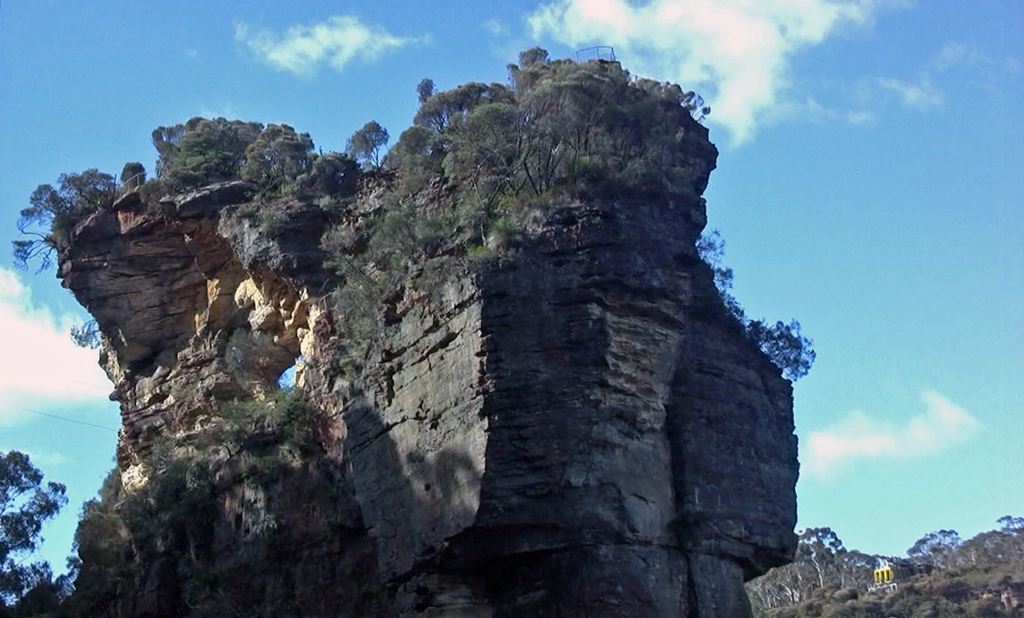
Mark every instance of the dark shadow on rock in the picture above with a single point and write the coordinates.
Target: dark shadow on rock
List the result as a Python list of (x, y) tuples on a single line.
[(412, 501)]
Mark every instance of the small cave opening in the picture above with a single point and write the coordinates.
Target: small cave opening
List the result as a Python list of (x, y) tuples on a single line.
[(260, 364), (287, 378)]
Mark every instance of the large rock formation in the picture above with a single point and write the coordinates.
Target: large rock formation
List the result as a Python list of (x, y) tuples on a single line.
[(579, 430)]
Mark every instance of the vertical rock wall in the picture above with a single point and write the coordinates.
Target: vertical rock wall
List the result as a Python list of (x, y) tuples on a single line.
[(579, 431)]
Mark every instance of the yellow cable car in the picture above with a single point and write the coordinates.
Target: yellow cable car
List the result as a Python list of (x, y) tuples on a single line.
[(892, 572)]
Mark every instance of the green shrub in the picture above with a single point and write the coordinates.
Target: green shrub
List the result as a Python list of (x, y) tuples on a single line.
[(53, 213)]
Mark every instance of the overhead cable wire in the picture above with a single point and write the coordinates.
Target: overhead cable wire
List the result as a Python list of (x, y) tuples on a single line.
[(85, 423)]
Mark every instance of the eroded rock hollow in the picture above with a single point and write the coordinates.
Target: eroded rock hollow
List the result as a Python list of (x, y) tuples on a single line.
[(576, 431)]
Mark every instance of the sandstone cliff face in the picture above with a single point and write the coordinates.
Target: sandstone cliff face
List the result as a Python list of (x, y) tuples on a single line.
[(579, 431)]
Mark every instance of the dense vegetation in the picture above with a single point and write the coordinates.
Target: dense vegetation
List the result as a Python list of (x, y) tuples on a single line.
[(979, 578), (125, 538), (458, 186)]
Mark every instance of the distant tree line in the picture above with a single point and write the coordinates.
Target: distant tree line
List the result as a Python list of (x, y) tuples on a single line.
[(827, 580)]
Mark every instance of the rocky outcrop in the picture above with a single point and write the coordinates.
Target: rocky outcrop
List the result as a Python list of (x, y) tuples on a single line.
[(579, 431)]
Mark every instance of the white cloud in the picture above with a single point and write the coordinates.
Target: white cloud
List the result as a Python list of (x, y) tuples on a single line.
[(860, 436), (495, 27), (223, 111), (812, 111), (921, 95), (39, 364), (336, 42), (40, 458), (979, 69), (735, 52), (953, 54)]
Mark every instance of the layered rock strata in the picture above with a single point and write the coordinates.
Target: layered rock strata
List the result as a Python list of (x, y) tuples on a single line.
[(578, 431)]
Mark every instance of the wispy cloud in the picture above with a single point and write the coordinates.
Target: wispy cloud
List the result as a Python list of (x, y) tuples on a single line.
[(495, 27), (859, 436), (735, 52), (956, 54), (221, 111), (39, 364), (336, 42), (921, 95), (40, 458), (813, 111)]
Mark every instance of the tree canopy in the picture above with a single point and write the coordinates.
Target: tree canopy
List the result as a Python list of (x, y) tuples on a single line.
[(203, 150), (782, 343), (25, 503), (559, 124), (277, 157), (52, 212), (827, 580), (367, 144)]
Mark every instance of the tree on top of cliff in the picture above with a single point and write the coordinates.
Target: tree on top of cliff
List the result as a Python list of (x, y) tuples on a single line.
[(559, 126), (782, 343), (202, 151), (367, 144), (333, 174), (133, 173), (278, 157), (481, 159), (54, 211)]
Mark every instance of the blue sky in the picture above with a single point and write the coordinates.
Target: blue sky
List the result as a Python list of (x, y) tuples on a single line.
[(869, 185)]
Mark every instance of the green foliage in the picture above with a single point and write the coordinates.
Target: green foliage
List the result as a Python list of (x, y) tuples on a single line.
[(821, 561), (44, 597), (334, 174), (441, 108), (53, 212), (25, 503), (825, 579), (283, 425), (102, 541), (711, 249), (481, 159), (935, 548), (417, 157), (122, 534), (562, 126), (533, 56), (86, 335), (173, 519), (367, 144), (333, 177), (166, 141), (177, 510), (277, 158), (782, 343), (425, 89), (202, 151), (133, 174)]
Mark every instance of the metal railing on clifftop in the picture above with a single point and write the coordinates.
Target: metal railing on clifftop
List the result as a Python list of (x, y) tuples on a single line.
[(129, 186)]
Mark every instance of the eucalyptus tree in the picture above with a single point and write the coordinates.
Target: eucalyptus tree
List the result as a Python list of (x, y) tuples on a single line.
[(25, 503)]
